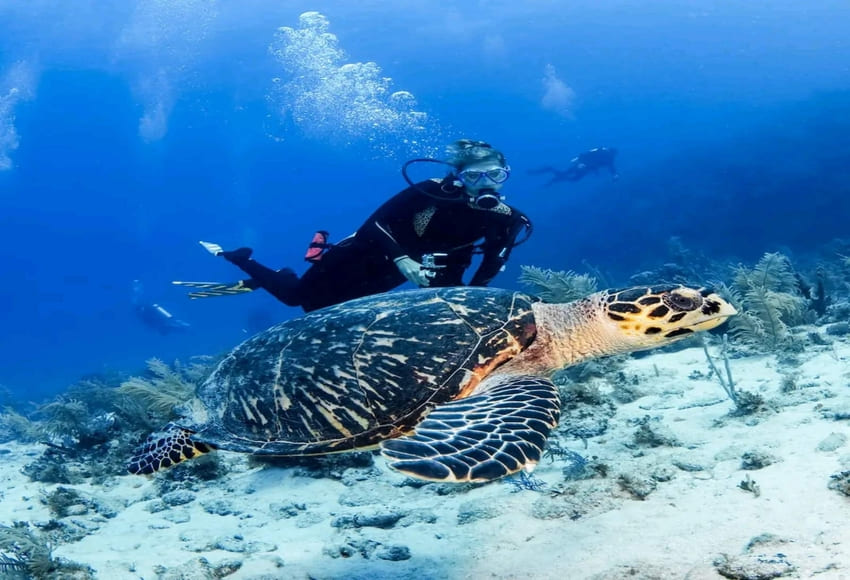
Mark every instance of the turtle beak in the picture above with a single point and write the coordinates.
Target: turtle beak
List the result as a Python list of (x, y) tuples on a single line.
[(716, 311), (713, 312)]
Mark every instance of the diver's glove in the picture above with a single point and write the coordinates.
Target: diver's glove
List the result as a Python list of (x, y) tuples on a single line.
[(235, 257), (413, 271)]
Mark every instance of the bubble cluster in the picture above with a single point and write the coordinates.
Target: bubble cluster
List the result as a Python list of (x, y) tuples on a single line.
[(158, 97), (342, 102), (16, 85), (557, 96), (163, 39)]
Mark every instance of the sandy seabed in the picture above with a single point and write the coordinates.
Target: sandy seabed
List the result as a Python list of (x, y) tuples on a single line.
[(680, 488)]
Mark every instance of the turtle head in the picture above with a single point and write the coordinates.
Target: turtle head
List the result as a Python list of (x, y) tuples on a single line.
[(652, 316)]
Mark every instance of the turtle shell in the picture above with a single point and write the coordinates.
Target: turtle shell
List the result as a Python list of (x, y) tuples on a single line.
[(351, 375)]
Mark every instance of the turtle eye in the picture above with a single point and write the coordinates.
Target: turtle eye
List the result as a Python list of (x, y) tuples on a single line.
[(680, 302)]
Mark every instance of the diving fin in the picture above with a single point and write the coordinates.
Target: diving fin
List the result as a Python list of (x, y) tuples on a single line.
[(213, 289), (212, 248)]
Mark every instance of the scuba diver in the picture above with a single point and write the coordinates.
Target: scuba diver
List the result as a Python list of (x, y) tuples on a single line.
[(153, 315), (427, 234), (592, 160)]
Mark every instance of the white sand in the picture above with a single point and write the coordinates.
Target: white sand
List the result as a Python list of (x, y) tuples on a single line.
[(676, 532)]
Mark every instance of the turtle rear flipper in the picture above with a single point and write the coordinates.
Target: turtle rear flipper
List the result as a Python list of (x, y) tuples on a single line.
[(165, 448), (483, 437)]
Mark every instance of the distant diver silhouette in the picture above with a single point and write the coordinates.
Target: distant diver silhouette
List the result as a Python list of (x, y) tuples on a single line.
[(590, 161), (153, 315)]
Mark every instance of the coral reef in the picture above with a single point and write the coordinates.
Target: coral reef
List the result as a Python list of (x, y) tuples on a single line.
[(768, 300), (557, 286), (91, 429), (64, 419), (28, 554), (150, 400), (13, 425)]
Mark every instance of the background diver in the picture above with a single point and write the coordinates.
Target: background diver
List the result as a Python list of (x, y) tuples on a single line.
[(426, 234), (153, 315), (590, 161)]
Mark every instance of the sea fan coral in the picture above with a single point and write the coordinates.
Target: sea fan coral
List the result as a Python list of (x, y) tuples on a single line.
[(768, 301), (151, 399), (557, 286)]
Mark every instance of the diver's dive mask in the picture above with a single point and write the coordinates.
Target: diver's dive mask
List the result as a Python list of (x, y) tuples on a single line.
[(471, 177), (460, 185), (485, 197)]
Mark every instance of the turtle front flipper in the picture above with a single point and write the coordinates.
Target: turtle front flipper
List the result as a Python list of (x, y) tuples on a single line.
[(483, 437), (165, 448)]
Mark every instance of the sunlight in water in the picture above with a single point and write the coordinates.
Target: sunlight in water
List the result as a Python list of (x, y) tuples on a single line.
[(343, 102)]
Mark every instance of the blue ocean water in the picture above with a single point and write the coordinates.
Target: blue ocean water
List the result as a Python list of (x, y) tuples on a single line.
[(129, 131)]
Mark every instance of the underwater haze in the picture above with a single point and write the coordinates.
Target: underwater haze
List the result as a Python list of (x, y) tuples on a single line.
[(131, 130)]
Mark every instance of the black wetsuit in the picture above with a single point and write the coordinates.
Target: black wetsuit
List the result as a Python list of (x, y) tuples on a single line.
[(587, 162), (409, 224)]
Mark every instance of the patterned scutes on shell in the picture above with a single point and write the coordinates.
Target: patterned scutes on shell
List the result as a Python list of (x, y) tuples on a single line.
[(352, 375)]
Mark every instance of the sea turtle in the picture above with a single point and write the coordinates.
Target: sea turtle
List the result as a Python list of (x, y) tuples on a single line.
[(452, 383)]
